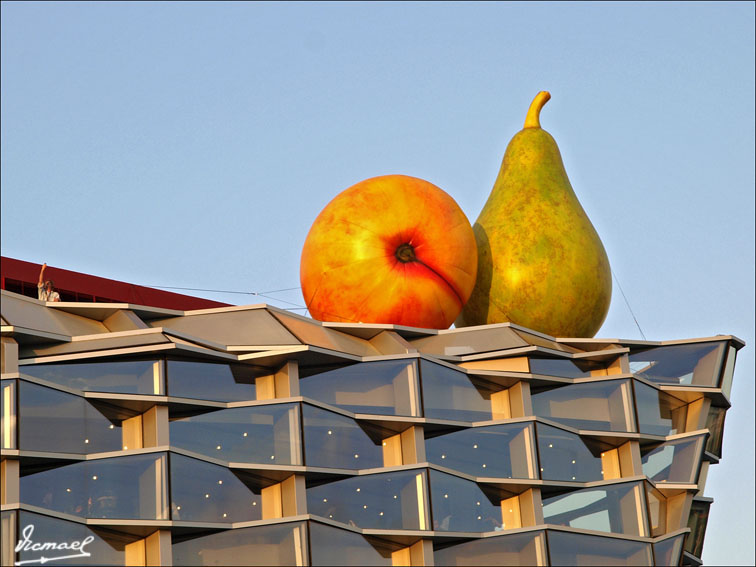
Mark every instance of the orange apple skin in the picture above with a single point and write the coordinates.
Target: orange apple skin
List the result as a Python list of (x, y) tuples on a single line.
[(350, 271)]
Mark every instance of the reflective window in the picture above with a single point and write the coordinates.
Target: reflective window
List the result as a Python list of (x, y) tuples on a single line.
[(658, 412), (336, 441), (130, 487), (564, 367), (55, 421), (259, 434), (123, 376), (516, 549), (567, 456), (385, 387), (394, 500), (278, 544), (502, 451), (715, 424), (104, 546), (697, 364), (8, 416), (729, 369), (578, 549), (334, 546), (613, 509), (673, 461), (204, 492), (8, 538), (699, 517), (211, 381), (602, 406), (668, 552), (451, 394), (461, 505)]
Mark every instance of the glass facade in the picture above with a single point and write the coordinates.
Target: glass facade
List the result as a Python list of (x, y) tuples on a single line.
[(210, 381), (390, 459), (599, 406), (336, 441), (121, 377), (130, 487), (204, 492), (257, 434), (673, 461), (384, 387), (698, 364), (278, 544), (394, 500), (516, 549), (502, 451), (615, 509)]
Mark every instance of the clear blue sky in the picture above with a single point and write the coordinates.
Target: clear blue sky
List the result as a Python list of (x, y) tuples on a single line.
[(193, 144)]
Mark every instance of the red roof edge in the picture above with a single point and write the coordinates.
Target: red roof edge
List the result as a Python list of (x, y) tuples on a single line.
[(70, 283)]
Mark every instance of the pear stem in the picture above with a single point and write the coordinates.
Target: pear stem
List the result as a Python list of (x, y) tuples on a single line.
[(405, 253), (532, 120)]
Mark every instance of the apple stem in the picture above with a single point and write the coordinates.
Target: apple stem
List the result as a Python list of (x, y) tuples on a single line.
[(532, 120), (405, 253)]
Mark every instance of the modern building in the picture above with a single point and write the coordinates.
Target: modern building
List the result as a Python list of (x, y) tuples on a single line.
[(141, 435)]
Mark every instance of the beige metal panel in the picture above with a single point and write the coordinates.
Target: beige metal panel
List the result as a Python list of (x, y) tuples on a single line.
[(388, 342), (531, 507), (9, 483), (158, 549), (515, 364), (313, 333), (392, 451), (401, 557), (630, 459), (287, 380), (131, 433), (8, 355), (294, 496), (421, 552), (538, 339), (500, 405), (107, 342), (23, 311), (241, 327), (124, 320), (271, 502), (698, 412), (135, 553), (155, 426), (519, 400), (468, 341), (8, 539)]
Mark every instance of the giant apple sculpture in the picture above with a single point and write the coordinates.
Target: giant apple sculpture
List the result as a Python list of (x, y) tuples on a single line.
[(391, 249)]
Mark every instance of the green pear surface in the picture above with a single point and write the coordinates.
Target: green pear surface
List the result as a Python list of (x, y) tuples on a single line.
[(541, 263)]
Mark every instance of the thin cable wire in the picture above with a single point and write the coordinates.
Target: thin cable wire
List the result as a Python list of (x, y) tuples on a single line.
[(628, 306), (224, 290)]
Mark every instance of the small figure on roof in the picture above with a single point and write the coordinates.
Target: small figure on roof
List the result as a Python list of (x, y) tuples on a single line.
[(46, 288)]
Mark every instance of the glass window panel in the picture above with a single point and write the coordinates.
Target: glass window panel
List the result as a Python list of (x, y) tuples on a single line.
[(673, 461), (279, 544), (502, 451), (211, 381), (451, 394), (461, 505), (715, 424), (102, 547), (696, 364), (602, 406), (580, 549), (385, 387), (260, 434), (8, 416), (130, 487), (728, 371), (64, 423), (334, 546), (515, 549), (615, 509), (668, 552), (125, 376), (333, 440), (393, 500), (564, 367), (567, 456), (699, 517), (204, 492), (658, 412)]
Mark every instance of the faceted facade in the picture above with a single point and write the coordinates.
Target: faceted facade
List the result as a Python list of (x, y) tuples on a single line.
[(134, 435)]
